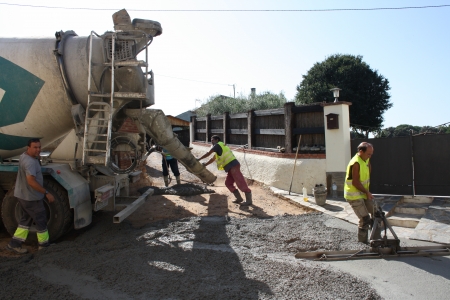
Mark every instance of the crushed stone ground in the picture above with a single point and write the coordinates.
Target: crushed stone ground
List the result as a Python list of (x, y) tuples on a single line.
[(211, 257), (190, 247)]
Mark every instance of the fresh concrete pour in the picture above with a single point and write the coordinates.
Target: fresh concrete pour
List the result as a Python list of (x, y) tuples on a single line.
[(217, 258), (195, 258)]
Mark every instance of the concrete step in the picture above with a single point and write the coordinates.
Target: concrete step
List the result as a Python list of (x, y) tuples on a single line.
[(401, 232), (404, 220), (417, 199), (412, 208)]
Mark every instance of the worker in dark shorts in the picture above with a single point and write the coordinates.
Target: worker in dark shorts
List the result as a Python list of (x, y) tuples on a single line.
[(226, 161), (30, 192), (169, 161)]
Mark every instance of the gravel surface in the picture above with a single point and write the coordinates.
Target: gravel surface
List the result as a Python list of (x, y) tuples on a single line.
[(192, 258)]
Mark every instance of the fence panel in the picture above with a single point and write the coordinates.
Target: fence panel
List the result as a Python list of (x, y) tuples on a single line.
[(268, 128), (311, 126), (391, 165), (200, 129), (431, 164), (269, 131)]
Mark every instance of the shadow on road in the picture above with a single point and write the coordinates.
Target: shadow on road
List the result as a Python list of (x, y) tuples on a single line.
[(197, 262)]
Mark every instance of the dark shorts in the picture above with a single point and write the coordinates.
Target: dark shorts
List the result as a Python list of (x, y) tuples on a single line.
[(173, 164)]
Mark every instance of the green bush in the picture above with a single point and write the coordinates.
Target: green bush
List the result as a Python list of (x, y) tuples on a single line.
[(219, 104)]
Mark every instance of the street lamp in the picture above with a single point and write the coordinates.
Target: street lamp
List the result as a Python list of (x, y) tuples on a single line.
[(335, 93)]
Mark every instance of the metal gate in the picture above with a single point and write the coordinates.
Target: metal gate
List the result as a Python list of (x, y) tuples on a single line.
[(413, 165)]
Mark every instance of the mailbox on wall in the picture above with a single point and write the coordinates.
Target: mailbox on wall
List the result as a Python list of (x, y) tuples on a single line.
[(332, 121)]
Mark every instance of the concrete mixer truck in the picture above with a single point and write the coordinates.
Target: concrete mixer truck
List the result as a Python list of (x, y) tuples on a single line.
[(93, 93)]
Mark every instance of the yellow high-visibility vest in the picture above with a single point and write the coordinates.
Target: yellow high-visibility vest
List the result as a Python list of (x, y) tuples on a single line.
[(350, 191), (226, 157)]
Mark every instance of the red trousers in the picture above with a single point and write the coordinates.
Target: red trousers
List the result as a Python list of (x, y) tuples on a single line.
[(234, 175)]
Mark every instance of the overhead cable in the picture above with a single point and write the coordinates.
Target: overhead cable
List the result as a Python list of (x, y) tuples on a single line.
[(235, 10), (194, 80)]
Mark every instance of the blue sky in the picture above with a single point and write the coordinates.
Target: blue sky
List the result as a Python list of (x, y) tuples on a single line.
[(201, 54)]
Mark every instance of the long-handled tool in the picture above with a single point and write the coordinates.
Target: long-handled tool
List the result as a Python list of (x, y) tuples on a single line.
[(295, 162)]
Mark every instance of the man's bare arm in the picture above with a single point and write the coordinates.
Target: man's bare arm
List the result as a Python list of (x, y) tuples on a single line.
[(210, 161), (206, 154), (31, 180)]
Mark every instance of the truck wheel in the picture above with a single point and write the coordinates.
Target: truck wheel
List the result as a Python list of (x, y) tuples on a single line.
[(59, 215)]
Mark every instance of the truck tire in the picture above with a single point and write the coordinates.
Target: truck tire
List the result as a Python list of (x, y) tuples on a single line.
[(59, 215)]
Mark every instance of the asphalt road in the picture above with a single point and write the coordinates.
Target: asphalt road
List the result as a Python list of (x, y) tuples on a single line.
[(401, 278)]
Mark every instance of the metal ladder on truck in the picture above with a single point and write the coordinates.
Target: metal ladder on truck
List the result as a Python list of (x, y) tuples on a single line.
[(99, 113)]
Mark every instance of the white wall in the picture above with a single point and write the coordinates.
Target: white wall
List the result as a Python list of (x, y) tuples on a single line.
[(277, 172), (337, 140)]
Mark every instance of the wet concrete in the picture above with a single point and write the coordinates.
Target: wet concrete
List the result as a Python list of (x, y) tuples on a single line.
[(193, 258)]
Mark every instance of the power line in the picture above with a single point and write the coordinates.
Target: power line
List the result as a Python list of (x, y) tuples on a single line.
[(194, 80), (235, 10)]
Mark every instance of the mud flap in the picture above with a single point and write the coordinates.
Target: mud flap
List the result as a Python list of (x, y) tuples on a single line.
[(82, 215)]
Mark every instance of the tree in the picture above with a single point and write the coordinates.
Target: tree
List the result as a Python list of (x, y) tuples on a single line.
[(400, 130), (407, 130), (218, 104), (363, 87)]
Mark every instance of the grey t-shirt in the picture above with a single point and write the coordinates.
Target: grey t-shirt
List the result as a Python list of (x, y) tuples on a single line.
[(216, 148), (28, 166)]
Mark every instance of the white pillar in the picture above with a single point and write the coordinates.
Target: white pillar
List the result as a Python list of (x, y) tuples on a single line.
[(191, 133), (337, 142)]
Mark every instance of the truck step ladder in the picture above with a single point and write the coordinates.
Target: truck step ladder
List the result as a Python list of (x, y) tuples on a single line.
[(98, 123), (99, 113)]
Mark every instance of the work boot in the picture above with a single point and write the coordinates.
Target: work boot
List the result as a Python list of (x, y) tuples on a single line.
[(166, 181), (19, 249), (248, 199), (40, 247), (238, 197), (363, 235), (178, 179), (367, 222)]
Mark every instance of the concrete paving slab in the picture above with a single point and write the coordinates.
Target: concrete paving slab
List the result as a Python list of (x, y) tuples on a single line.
[(402, 278), (435, 224)]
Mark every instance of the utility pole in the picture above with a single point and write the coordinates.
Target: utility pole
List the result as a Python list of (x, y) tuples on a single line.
[(234, 90)]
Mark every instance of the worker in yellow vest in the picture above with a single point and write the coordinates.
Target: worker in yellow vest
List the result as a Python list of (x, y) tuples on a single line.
[(356, 189), (226, 161)]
